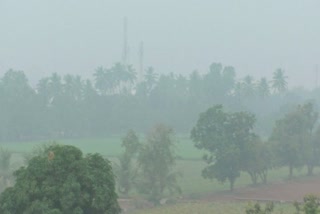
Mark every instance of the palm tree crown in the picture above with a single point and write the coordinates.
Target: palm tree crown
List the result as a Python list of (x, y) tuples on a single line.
[(279, 82)]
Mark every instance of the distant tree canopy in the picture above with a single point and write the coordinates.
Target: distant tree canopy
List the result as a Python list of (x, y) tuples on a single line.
[(62, 181), (115, 100)]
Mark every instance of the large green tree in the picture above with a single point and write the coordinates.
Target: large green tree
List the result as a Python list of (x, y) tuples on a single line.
[(224, 136), (62, 181), (263, 88)]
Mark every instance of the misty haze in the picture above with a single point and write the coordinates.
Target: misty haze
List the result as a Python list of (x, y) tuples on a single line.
[(151, 107)]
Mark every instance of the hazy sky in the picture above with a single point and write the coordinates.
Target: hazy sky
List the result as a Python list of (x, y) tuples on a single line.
[(76, 36)]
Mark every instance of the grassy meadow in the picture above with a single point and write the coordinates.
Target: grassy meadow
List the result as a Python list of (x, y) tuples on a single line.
[(110, 146)]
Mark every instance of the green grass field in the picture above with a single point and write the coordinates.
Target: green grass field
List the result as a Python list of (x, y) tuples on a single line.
[(110, 147)]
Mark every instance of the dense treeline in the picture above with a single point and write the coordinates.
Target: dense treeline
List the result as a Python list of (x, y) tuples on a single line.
[(115, 101)]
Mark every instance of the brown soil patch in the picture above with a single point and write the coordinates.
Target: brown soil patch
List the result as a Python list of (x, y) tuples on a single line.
[(283, 192), (286, 191)]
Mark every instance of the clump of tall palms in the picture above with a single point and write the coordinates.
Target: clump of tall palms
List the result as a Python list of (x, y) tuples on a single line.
[(119, 78), (263, 88)]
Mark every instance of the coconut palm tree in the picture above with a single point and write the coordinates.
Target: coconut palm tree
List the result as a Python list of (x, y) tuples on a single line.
[(279, 81), (263, 88), (123, 77), (151, 77), (101, 80), (248, 86)]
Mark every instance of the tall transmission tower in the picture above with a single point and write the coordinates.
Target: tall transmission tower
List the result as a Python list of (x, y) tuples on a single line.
[(125, 42), (141, 61)]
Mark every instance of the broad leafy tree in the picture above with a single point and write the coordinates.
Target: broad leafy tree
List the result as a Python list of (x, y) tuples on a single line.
[(224, 136), (62, 181)]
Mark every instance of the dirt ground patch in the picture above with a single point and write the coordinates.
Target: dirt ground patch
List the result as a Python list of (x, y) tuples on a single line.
[(286, 191), (282, 192)]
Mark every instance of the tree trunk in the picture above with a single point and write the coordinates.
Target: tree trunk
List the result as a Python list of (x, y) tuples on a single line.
[(263, 176), (290, 171), (231, 180), (253, 177), (310, 170)]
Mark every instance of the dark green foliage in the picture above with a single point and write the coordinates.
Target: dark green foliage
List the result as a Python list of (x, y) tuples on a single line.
[(257, 209), (62, 181), (279, 81), (226, 137), (310, 205), (156, 160)]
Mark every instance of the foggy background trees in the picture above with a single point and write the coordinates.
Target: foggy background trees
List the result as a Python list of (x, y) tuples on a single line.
[(114, 100)]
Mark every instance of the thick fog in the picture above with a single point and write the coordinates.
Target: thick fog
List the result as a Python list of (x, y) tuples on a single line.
[(76, 36)]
